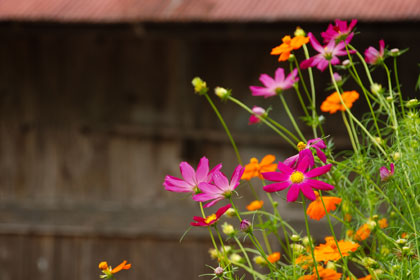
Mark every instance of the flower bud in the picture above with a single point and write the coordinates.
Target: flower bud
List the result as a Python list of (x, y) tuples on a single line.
[(226, 249), (379, 140), (103, 266), (228, 229), (368, 262), (337, 77), (412, 103), (376, 88), (346, 63), (371, 224), (291, 57), (213, 253), (259, 260), (394, 52), (200, 86), (396, 156), (378, 271), (385, 250), (295, 238), (299, 32), (407, 250), (306, 241), (331, 265), (297, 248), (222, 92), (389, 98), (230, 213), (245, 226), (218, 271), (235, 258), (401, 241)]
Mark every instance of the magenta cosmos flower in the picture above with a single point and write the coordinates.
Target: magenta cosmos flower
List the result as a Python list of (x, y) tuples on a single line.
[(257, 111), (220, 189), (211, 219), (305, 151), (275, 86), (297, 179), (385, 173), (326, 54), (373, 56), (339, 32), (191, 177)]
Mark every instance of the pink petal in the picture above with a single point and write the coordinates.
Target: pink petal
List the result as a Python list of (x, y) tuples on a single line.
[(253, 120), (211, 203), (275, 176), (293, 193), (322, 65), (392, 168), (220, 180), (222, 210), (266, 80), (306, 153), (171, 183), (318, 171), (307, 191), (279, 75), (352, 24), (321, 155), (384, 173), (188, 173), (276, 187), (201, 197), (209, 188), (290, 161), (315, 44), (261, 91), (284, 168), (202, 170), (303, 163), (215, 169), (319, 185), (236, 176), (307, 63), (381, 47), (317, 142)]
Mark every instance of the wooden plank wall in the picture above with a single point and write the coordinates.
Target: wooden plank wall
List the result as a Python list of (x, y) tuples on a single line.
[(91, 120)]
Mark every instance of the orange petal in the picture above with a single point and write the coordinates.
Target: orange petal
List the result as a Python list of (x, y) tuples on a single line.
[(121, 266)]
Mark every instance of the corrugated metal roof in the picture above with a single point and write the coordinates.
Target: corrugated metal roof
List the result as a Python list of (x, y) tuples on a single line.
[(207, 10)]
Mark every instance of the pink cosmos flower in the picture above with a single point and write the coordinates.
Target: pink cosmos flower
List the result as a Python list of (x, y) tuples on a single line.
[(305, 151), (373, 56), (385, 173), (191, 177), (339, 32), (211, 219), (326, 54), (258, 111), (220, 189), (276, 85), (297, 179)]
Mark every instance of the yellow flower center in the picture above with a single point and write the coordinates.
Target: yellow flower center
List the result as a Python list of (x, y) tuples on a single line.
[(297, 177), (210, 218), (301, 146)]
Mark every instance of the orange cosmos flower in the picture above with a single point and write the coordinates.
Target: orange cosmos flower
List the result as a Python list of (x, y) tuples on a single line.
[(329, 251), (362, 233), (274, 257), (254, 169), (255, 205), (289, 45), (333, 103), (383, 223), (324, 274), (404, 235), (108, 271), (316, 209)]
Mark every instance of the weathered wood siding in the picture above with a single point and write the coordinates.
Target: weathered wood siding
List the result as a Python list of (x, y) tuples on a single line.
[(93, 117)]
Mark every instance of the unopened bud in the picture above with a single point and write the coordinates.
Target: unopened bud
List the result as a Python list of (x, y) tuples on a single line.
[(230, 213), (228, 229), (299, 32), (245, 226), (385, 250), (218, 271), (346, 63), (295, 238), (331, 265), (389, 98), (379, 140), (412, 103), (297, 248), (200, 86), (213, 253), (306, 241), (291, 57), (394, 52), (222, 92), (103, 266), (396, 156), (235, 258), (337, 77), (407, 250), (259, 260), (401, 241), (376, 88), (368, 262), (371, 224), (378, 271), (226, 249)]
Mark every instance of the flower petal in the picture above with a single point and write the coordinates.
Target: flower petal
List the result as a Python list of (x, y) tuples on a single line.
[(293, 193), (318, 171), (202, 170), (220, 180), (266, 80), (188, 173), (236, 176), (276, 187), (279, 75), (275, 176), (319, 185), (307, 191)]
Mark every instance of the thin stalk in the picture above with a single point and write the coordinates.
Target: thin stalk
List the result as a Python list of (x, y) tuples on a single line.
[(311, 80), (302, 80), (292, 119), (253, 272), (398, 86), (349, 131), (308, 233), (246, 256), (362, 60), (225, 127), (263, 120)]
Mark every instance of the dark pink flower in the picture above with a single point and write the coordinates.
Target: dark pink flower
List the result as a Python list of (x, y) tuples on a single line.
[(297, 179), (258, 111), (373, 56), (339, 32), (385, 173), (326, 54), (191, 177), (275, 86), (305, 151), (211, 219), (220, 189)]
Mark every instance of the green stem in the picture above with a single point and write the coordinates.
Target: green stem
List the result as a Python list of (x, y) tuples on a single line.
[(292, 119), (225, 127), (311, 80), (246, 256), (398, 86), (362, 60), (308, 233)]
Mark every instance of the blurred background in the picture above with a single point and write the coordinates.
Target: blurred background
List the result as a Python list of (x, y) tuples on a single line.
[(96, 107)]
